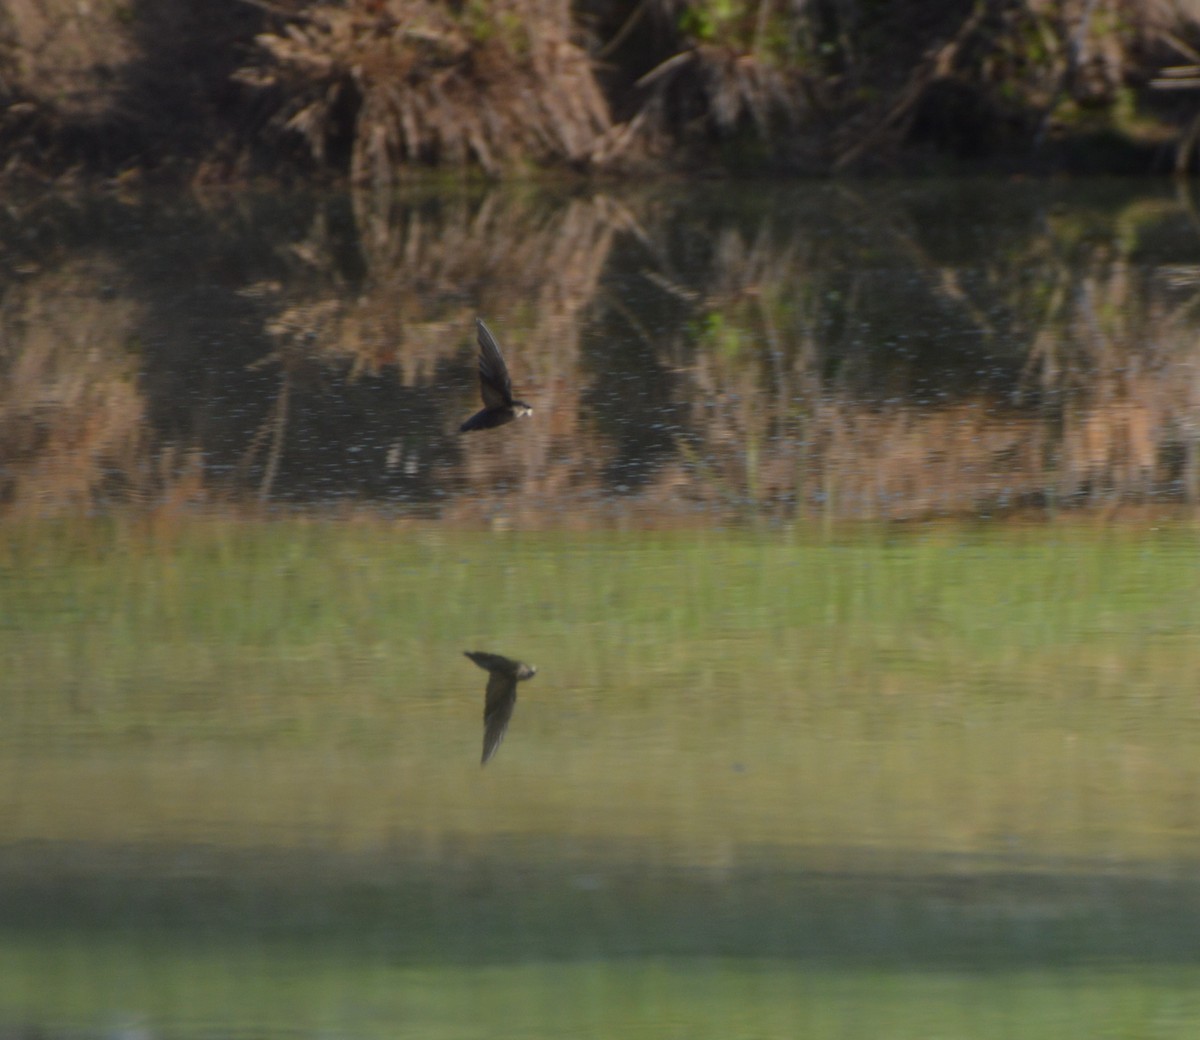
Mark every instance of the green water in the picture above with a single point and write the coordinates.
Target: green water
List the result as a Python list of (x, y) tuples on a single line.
[(922, 782)]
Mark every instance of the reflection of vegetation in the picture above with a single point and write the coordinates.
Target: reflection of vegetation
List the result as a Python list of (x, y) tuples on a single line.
[(814, 353), (71, 412), (534, 267), (1020, 390)]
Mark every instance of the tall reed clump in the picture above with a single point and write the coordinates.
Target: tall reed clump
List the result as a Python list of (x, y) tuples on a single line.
[(389, 84)]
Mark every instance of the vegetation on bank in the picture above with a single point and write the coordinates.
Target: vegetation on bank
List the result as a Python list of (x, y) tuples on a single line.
[(374, 89)]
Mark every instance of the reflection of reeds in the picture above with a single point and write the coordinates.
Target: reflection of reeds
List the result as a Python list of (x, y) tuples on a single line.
[(842, 460), (540, 266), (1120, 361), (1106, 415), (420, 262), (70, 407), (767, 362)]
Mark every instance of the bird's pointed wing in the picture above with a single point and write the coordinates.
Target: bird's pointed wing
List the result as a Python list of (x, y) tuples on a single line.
[(497, 710), (493, 373), (491, 662)]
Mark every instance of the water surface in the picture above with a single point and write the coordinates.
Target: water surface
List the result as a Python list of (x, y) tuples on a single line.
[(812, 350), (853, 538)]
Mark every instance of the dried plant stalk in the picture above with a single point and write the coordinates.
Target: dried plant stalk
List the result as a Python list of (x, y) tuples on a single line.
[(412, 82)]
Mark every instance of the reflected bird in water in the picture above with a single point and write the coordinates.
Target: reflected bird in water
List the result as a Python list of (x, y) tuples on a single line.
[(501, 697), (500, 406)]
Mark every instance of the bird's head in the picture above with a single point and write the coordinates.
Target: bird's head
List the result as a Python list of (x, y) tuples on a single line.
[(527, 671), (521, 410)]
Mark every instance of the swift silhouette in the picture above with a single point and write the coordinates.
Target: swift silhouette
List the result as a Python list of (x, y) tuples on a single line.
[(499, 405), (501, 695)]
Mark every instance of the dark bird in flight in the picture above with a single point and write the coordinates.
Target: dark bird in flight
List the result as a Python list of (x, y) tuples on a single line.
[(499, 405), (501, 697)]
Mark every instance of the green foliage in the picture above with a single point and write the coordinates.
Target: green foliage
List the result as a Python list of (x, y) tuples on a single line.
[(709, 21), (479, 20), (716, 333), (271, 990)]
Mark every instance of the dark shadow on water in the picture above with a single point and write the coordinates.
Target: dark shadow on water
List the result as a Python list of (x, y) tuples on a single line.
[(495, 906)]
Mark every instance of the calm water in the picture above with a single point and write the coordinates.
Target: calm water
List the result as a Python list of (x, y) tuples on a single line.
[(853, 538), (730, 352)]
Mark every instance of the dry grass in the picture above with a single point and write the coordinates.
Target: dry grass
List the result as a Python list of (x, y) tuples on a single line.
[(709, 91), (378, 88), (61, 65), (66, 55), (406, 83)]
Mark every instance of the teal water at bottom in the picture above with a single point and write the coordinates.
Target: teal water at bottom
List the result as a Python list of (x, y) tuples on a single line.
[(175, 991)]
